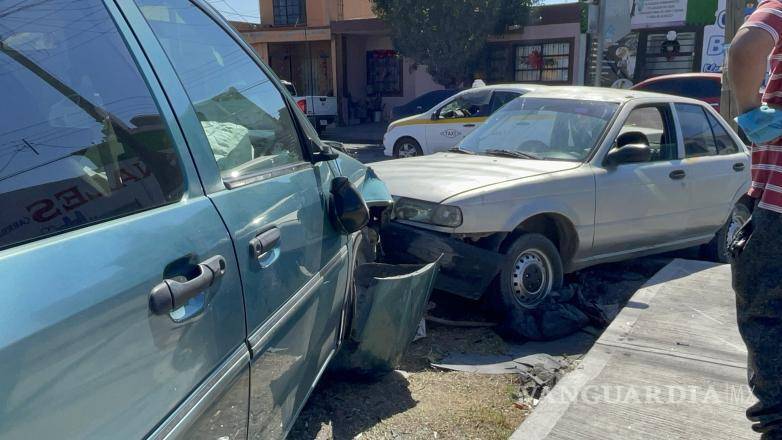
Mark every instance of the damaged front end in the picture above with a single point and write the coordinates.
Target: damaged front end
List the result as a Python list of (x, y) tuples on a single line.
[(467, 268), (387, 300)]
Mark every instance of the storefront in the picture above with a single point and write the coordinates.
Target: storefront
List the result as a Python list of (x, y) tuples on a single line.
[(551, 49), (372, 76), (667, 37)]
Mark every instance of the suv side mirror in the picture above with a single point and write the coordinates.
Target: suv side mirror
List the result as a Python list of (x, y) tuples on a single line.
[(321, 151), (630, 153), (348, 210)]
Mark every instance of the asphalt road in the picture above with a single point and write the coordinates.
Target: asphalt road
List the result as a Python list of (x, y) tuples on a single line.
[(366, 153)]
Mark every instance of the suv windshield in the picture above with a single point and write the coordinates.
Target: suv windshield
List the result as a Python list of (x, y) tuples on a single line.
[(551, 129)]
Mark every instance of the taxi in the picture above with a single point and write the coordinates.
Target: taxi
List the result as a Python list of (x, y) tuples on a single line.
[(446, 124)]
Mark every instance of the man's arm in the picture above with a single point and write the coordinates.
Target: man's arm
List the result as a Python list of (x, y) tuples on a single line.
[(747, 61)]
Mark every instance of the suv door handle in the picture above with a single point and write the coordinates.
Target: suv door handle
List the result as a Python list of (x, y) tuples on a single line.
[(172, 294), (677, 174), (738, 167), (264, 245)]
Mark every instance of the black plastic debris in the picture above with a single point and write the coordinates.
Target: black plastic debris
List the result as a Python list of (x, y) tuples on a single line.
[(563, 313), (390, 303)]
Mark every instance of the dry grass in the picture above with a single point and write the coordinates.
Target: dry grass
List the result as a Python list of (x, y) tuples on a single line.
[(418, 402)]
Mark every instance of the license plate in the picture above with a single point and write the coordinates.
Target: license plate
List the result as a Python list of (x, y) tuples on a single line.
[(323, 122)]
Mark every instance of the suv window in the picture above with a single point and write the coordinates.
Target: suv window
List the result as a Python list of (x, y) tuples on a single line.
[(81, 138), (501, 98), (725, 143), (696, 130), (473, 104), (652, 126), (243, 114)]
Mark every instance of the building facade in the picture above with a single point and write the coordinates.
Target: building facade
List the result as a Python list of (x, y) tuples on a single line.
[(339, 48)]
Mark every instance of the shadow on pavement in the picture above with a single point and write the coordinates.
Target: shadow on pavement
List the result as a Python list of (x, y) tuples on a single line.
[(338, 407)]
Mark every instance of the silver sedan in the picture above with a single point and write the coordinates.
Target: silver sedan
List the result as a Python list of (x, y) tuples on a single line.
[(568, 177)]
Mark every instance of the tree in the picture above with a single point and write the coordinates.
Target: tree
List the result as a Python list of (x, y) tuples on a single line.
[(449, 36)]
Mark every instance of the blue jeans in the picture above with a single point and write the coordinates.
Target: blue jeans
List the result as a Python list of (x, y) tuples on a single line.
[(757, 281)]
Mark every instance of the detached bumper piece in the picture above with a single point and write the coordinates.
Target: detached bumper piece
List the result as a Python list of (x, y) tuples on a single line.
[(390, 302), (466, 270)]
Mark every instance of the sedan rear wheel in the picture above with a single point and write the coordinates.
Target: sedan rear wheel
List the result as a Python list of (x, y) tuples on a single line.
[(717, 249)]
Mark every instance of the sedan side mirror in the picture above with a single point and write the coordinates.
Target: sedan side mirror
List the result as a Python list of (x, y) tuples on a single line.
[(630, 153), (348, 210)]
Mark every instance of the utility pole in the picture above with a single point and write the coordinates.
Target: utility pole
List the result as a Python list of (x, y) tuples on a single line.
[(734, 18), (600, 50)]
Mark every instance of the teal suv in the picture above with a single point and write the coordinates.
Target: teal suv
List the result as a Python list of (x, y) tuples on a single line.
[(177, 248)]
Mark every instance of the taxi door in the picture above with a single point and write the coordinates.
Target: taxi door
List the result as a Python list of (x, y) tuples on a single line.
[(456, 119)]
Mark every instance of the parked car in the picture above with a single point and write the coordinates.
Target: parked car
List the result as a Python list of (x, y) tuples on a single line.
[(565, 178), (447, 123), (706, 87), (421, 103), (180, 254), (320, 110)]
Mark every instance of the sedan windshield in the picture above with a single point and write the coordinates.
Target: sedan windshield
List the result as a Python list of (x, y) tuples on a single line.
[(541, 128)]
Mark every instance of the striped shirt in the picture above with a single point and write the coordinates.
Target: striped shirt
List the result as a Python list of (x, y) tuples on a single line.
[(767, 159)]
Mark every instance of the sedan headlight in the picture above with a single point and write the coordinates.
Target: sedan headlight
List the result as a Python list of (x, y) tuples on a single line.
[(428, 212)]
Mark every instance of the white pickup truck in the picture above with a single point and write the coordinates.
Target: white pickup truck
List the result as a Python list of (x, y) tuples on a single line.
[(320, 110)]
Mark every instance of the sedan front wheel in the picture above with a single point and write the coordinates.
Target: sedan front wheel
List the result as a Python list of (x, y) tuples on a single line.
[(531, 271), (407, 147)]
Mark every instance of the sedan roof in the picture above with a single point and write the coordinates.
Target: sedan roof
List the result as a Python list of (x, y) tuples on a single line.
[(602, 94)]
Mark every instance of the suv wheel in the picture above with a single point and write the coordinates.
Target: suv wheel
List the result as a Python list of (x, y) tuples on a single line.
[(717, 249), (407, 147), (531, 271)]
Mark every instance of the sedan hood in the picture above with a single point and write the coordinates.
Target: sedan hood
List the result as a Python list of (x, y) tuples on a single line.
[(439, 177)]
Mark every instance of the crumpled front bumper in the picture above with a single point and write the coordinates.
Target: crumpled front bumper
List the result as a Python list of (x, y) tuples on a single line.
[(465, 270), (390, 302)]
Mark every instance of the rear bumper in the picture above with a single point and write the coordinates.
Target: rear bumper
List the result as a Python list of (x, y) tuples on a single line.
[(465, 270), (315, 119)]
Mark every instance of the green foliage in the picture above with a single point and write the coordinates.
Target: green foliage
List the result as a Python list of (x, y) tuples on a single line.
[(449, 36)]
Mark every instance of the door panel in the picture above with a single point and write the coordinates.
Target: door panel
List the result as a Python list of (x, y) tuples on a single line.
[(710, 157), (106, 205), (273, 202), (643, 205), (639, 205), (90, 360), (457, 118)]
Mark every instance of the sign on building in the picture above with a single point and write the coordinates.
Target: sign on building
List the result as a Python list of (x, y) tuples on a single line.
[(713, 55), (653, 13)]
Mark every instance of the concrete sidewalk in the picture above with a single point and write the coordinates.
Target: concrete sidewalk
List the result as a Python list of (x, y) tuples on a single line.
[(670, 366)]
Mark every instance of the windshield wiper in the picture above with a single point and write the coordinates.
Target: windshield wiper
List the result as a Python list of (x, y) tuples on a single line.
[(511, 153), (460, 150)]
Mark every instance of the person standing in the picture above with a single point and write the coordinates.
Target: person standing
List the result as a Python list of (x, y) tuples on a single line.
[(757, 268)]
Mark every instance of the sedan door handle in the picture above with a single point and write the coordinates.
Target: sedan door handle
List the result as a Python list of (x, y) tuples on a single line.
[(468, 125), (738, 167), (172, 294), (677, 174)]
